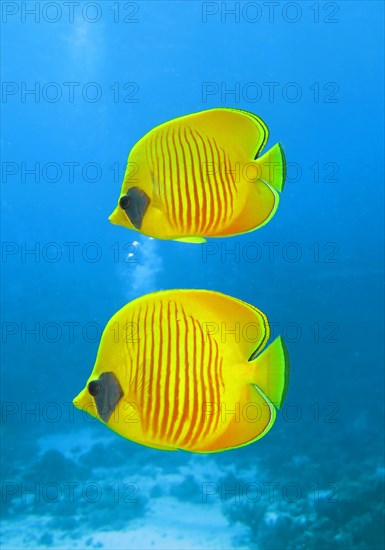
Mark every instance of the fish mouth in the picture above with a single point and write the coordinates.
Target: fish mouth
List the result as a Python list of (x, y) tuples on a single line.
[(84, 402), (118, 217)]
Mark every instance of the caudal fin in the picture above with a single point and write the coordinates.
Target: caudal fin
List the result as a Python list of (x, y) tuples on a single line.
[(272, 167), (271, 372)]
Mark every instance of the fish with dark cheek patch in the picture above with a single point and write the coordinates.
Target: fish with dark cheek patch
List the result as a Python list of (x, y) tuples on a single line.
[(173, 377), (200, 176)]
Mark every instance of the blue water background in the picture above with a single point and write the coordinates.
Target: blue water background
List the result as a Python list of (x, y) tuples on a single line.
[(329, 305)]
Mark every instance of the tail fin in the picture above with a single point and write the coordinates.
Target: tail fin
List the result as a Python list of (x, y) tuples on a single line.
[(271, 372), (272, 166)]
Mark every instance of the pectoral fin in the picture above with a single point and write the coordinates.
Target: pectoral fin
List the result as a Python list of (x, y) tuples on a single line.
[(193, 240)]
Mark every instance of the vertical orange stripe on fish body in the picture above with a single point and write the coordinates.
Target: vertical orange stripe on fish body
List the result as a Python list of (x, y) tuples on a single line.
[(183, 365), (167, 183), (174, 178), (203, 200), (227, 193), (207, 381), (209, 184), (179, 188), (171, 186), (160, 178), (177, 354), (192, 182), (153, 412), (152, 344), (202, 392), (214, 182), (191, 390), (185, 359), (162, 398)]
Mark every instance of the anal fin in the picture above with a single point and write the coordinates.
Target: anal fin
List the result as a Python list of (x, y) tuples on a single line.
[(248, 419)]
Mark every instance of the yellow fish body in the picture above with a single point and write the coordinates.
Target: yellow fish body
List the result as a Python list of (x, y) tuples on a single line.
[(187, 369), (201, 176)]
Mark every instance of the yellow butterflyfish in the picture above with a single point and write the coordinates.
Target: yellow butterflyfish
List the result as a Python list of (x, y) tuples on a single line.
[(187, 369), (201, 175)]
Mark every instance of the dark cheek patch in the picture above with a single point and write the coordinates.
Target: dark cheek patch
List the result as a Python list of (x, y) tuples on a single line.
[(108, 394), (135, 204)]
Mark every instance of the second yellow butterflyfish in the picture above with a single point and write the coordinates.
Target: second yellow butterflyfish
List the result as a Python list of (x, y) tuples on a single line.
[(187, 369), (201, 175)]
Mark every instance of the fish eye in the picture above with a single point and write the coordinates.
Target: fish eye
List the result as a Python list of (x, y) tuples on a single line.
[(124, 202), (93, 388)]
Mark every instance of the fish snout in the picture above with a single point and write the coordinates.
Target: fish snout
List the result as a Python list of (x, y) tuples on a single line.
[(118, 217), (84, 402)]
